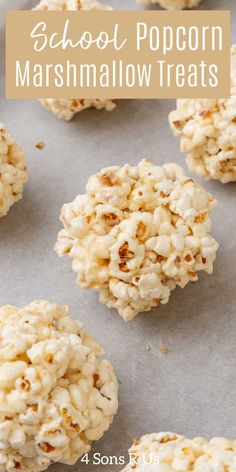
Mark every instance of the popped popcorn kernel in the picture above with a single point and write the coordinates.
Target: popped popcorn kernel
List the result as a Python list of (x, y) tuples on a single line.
[(207, 132), (51, 408), (66, 108), (168, 452), (137, 234), (174, 4), (13, 173)]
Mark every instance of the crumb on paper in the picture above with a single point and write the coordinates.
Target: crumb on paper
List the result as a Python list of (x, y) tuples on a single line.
[(164, 349), (40, 145)]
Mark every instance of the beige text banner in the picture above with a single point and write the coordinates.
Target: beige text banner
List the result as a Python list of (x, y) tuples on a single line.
[(117, 54)]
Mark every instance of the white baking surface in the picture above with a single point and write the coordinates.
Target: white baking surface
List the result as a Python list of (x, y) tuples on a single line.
[(191, 389)]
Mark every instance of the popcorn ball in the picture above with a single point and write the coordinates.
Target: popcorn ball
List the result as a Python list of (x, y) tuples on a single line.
[(170, 452), (56, 397), (13, 174), (174, 4), (66, 108), (138, 233), (207, 131)]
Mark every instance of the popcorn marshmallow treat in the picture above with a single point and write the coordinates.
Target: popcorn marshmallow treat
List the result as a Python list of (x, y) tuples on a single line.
[(13, 174), (168, 452), (207, 132), (67, 108), (174, 4), (56, 397), (138, 233)]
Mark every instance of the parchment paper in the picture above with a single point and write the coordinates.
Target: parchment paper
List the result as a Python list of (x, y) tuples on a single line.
[(190, 390)]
